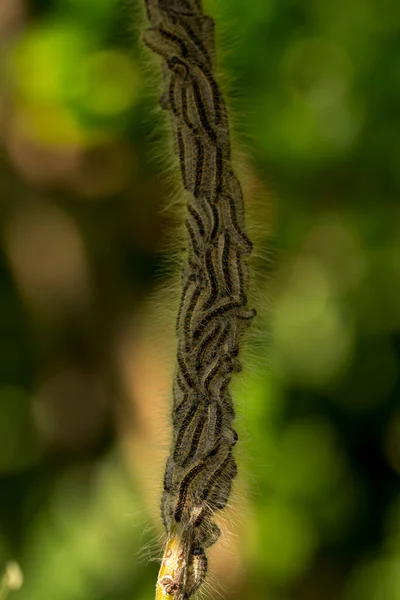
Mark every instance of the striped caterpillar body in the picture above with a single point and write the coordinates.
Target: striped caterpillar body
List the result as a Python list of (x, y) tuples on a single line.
[(213, 312)]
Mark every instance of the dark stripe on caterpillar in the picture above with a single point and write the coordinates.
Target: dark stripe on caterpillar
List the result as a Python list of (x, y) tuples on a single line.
[(185, 371), (214, 429), (216, 96), (168, 475), (193, 240), (185, 289), (179, 409), (225, 255), (247, 315), (219, 495), (214, 478), (182, 157), (215, 226), (217, 348), (195, 441), (190, 310), (185, 113), (182, 430), (219, 173), (184, 489), (219, 311), (212, 280), (196, 40), (171, 97), (227, 403), (220, 368), (240, 280), (154, 41), (197, 218), (235, 437), (202, 113), (241, 237), (207, 341), (193, 37), (171, 37), (199, 168)]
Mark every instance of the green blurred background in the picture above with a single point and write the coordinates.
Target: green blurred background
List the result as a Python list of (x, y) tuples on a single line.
[(86, 341)]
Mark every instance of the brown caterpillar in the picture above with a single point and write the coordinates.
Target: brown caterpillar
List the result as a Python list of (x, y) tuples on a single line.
[(213, 312)]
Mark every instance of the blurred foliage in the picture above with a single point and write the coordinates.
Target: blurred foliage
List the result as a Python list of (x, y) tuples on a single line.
[(314, 89)]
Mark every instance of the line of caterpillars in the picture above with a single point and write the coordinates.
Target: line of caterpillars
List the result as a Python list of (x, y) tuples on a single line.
[(213, 311)]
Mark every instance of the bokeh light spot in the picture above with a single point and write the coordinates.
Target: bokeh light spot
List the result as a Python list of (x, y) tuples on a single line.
[(288, 542), (314, 338), (45, 60), (107, 83), (47, 255)]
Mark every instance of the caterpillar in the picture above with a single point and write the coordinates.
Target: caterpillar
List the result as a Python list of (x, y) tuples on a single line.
[(213, 312)]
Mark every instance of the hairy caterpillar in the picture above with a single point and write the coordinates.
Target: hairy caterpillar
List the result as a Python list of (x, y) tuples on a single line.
[(213, 312)]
